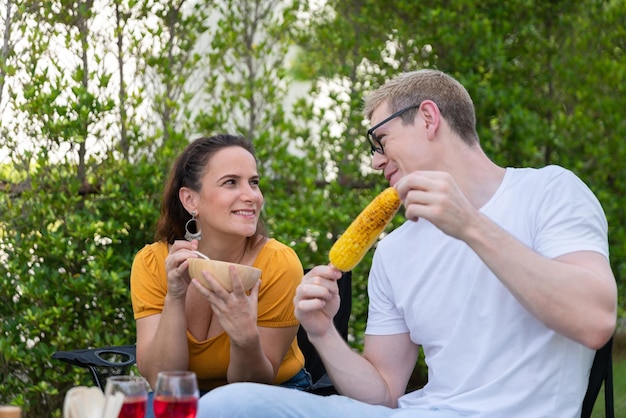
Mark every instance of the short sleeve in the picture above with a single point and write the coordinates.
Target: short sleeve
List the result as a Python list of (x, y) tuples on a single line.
[(148, 280), (383, 316), (569, 218)]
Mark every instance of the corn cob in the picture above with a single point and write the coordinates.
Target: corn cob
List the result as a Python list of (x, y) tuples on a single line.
[(350, 248)]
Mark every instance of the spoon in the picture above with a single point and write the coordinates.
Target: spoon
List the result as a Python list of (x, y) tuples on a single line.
[(202, 255)]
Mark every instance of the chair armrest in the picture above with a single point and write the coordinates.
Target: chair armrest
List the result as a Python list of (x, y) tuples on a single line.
[(102, 361)]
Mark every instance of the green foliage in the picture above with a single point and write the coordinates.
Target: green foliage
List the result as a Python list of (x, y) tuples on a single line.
[(64, 275)]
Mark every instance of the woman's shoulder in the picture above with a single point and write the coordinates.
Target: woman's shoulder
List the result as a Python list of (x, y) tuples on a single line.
[(275, 252), (148, 264), (272, 244), (152, 255), (156, 249), (275, 248)]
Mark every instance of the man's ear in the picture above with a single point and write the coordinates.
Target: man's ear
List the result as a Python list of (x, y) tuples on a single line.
[(430, 112), (431, 115), (187, 198)]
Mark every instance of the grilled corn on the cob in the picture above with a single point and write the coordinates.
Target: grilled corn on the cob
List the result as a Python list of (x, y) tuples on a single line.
[(350, 248)]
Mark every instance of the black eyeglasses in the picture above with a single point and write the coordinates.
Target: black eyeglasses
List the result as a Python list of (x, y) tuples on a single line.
[(374, 141)]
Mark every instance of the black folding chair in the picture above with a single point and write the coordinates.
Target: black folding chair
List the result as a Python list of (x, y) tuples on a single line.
[(601, 372), (104, 362)]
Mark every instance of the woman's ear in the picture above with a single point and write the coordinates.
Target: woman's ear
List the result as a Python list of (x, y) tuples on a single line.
[(187, 198)]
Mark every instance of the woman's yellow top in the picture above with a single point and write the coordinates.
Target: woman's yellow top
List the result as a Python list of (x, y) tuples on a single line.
[(281, 274)]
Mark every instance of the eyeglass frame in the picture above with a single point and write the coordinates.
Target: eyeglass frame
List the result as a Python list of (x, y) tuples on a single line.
[(375, 143)]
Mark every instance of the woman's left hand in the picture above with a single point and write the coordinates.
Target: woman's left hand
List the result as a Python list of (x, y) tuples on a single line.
[(236, 311)]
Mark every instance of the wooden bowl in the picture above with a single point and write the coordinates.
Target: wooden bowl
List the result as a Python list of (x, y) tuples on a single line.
[(219, 270)]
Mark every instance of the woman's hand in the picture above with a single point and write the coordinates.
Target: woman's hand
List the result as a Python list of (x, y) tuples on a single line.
[(176, 267), (236, 311)]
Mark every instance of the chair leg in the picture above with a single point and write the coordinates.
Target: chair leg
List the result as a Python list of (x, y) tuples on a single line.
[(609, 405), (96, 377)]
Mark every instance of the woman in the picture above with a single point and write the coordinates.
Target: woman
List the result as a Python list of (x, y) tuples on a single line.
[(212, 199)]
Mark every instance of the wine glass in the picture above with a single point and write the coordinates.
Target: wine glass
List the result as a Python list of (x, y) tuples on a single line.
[(129, 391), (176, 395)]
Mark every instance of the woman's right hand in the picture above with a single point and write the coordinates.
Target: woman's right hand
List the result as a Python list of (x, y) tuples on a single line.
[(177, 267)]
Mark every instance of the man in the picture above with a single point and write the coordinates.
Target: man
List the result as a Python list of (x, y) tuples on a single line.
[(500, 274)]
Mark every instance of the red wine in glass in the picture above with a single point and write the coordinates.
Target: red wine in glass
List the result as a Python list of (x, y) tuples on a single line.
[(133, 407), (134, 392), (175, 407), (176, 394)]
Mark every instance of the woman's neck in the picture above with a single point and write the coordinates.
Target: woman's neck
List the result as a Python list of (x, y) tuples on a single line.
[(235, 251)]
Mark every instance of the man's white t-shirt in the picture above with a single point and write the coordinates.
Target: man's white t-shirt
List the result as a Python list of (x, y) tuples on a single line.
[(486, 355)]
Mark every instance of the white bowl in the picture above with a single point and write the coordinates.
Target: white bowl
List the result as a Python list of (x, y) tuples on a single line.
[(220, 270)]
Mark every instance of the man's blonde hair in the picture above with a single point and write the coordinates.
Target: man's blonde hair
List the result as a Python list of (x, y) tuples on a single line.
[(412, 88)]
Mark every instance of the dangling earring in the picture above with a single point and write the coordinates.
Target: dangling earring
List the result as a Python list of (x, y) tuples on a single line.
[(190, 236)]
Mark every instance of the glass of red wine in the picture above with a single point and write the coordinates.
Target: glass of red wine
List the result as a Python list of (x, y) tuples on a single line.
[(176, 395), (129, 391)]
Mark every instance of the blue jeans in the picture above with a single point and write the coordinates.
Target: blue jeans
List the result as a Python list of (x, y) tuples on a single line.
[(256, 400), (301, 381)]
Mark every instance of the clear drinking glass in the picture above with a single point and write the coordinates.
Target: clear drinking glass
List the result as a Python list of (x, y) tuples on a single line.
[(176, 395), (134, 390)]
